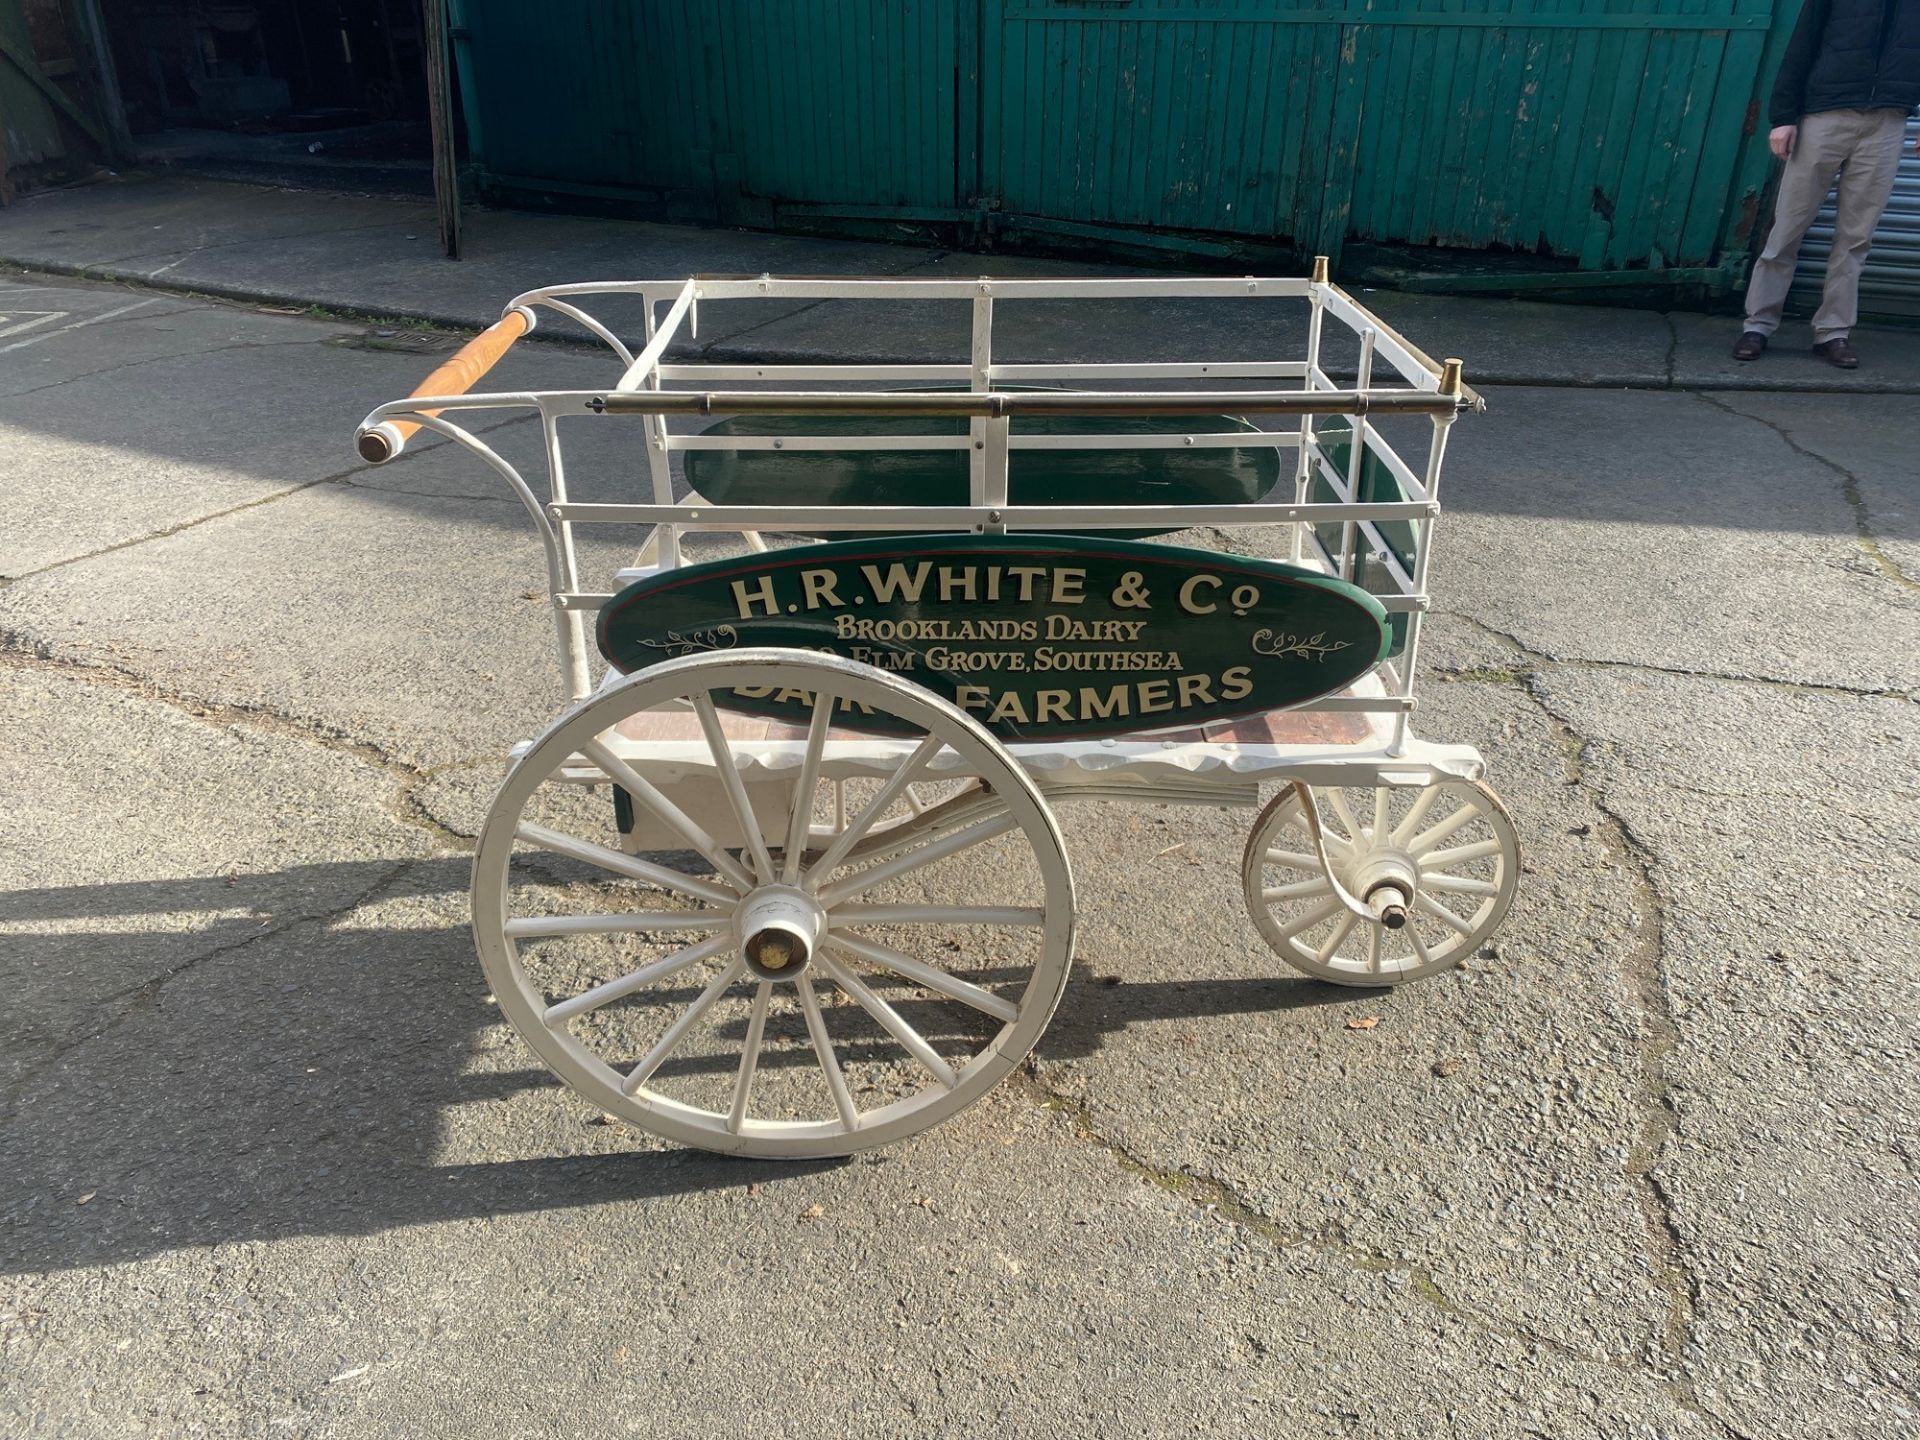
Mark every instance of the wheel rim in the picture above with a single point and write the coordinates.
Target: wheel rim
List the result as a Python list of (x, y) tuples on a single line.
[(1450, 845), (909, 967)]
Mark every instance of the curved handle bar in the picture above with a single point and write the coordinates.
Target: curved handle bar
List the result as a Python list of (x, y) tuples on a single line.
[(459, 374)]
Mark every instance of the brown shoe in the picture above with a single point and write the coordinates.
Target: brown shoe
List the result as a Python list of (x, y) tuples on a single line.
[(1750, 346), (1838, 353)]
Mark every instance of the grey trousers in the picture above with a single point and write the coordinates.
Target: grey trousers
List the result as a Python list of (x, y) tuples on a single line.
[(1862, 148)]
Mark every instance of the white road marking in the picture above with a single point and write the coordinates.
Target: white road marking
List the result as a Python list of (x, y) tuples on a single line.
[(10, 326), (77, 325)]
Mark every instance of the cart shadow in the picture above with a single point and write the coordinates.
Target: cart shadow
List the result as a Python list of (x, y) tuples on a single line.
[(232, 1081)]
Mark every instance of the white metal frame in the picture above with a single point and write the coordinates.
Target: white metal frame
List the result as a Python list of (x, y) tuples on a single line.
[(650, 388)]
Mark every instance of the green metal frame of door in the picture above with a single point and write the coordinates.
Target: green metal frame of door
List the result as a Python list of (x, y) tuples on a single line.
[(1588, 133)]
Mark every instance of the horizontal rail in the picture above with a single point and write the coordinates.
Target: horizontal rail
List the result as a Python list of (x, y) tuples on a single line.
[(1418, 367), (1152, 370), (998, 404), (960, 372), (950, 519), (829, 287), (1230, 440), (818, 442)]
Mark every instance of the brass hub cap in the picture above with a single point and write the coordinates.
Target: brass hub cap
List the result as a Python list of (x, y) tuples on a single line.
[(780, 928)]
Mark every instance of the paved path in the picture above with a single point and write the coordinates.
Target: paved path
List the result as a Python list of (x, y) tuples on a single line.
[(274, 1166), (379, 255)]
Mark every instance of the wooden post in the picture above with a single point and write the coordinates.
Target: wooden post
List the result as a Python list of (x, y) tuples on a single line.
[(446, 170)]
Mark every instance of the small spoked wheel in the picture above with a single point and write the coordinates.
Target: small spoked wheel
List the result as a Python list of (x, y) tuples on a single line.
[(807, 984), (1436, 866)]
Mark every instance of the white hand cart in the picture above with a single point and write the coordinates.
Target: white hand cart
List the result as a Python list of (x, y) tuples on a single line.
[(807, 895)]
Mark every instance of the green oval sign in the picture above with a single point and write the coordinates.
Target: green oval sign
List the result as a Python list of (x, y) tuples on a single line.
[(1049, 637)]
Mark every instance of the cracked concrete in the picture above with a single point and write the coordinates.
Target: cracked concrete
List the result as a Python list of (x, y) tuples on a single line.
[(1642, 1167)]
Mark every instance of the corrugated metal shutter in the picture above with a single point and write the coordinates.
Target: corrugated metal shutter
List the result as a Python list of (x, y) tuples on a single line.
[(1890, 285)]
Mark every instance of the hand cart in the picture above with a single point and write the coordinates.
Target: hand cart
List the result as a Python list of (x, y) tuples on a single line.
[(784, 877)]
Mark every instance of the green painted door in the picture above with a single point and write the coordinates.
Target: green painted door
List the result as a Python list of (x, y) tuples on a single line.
[(1612, 133)]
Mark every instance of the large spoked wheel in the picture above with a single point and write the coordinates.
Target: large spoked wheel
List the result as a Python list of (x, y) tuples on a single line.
[(1442, 860), (806, 998)]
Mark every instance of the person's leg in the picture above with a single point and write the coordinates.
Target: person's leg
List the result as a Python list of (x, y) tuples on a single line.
[(1818, 153), (1865, 185)]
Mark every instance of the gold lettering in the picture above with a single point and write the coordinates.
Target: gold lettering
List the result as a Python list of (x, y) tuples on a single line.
[(1066, 586), (896, 582), (1093, 707), (970, 697), (761, 594), (1051, 705), (1236, 684), (1196, 690), (1027, 574), (1008, 707), (1190, 603), (953, 580), (1155, 695), (817, 588)]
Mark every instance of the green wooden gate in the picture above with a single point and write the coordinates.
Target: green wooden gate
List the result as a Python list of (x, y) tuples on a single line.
[(1611, 134)]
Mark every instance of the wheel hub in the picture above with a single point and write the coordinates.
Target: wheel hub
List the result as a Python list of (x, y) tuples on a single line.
[(779, 929), (1388, 880)]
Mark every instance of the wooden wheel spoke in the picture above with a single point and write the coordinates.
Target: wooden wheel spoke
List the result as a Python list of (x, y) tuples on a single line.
[(1309, 918), (1380, 797), (1458, 885), (1337, 937), (804, 785), (1434, 834), (1427, 905), (1461, 855), (1422, 803), (913, 1041), (630, 866), (849, 836), (611, 990), (535, 927), (1017, 915), (823, 1051), (951, 843), (1373, 948), (928, 976), (749, 1057), (1295, 860), (1337, 796), (1420, 951), (730, 781), (676, 1032), (1299, 890), (645, 794)]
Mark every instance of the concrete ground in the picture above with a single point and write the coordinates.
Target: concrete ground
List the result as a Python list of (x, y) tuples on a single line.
[(273, 1164)]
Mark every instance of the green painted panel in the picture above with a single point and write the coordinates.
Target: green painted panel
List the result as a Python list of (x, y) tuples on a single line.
[(1377, 486), (1610, 133), (1198, 476), (1039, 636)]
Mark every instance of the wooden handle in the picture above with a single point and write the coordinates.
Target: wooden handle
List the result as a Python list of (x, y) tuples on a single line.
[(461, 372)]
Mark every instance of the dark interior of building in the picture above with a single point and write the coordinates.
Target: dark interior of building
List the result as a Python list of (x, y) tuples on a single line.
[(277, 89)]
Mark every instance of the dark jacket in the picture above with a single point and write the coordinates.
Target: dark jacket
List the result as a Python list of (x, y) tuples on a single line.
[(1849, 54)]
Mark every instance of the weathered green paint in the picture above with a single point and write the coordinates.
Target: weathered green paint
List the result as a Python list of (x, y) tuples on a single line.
[(1040, 637), (1611, 134), (1198, 476), (1377, 485)]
